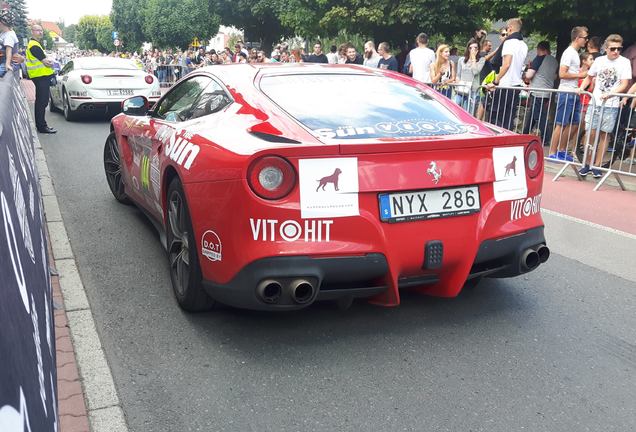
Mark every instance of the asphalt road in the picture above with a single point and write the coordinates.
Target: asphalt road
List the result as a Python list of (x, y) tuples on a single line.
[(554, 350)]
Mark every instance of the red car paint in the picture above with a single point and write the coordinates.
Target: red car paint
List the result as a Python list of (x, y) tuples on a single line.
[(248, 228)]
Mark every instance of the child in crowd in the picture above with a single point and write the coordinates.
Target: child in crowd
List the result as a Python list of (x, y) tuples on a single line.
[(8, 41), (587, 59)]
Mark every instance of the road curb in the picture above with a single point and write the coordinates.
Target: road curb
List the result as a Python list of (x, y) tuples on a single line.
[(100, 394)]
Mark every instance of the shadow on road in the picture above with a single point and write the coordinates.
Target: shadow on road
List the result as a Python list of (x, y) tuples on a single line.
[(489, 304)]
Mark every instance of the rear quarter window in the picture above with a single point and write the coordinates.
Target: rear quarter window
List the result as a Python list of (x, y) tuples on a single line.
[(340, 106)]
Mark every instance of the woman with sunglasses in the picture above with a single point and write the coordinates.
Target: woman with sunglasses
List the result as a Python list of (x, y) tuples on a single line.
[(468, 72)]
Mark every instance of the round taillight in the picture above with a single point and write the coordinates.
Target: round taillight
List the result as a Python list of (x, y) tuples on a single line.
[(149, 79), (534, 159), (271, 177), (87, 79)]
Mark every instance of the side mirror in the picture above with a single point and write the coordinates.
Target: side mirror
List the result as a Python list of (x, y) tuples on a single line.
[(135, 106)]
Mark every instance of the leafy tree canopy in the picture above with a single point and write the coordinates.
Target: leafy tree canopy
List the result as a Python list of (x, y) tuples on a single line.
[(127, 17), (177, 22), (20, 25), (95, 32), (556, 17)]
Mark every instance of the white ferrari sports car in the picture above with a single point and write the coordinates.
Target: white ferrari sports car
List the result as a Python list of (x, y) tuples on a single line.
[(100, 84)]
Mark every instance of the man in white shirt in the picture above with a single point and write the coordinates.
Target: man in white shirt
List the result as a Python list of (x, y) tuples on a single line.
[(513, 52), (371, 56), (568, 110), (421, 59), (613, 73)]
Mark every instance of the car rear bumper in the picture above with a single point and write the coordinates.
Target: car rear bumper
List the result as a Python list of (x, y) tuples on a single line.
[(367, 275)]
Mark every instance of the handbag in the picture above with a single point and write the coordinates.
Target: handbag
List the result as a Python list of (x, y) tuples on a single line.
[(463, 88)]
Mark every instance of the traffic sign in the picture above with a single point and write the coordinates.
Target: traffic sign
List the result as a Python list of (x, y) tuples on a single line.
[(116, 42)]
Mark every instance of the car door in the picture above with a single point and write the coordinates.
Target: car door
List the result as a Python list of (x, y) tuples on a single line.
[(152, 135)]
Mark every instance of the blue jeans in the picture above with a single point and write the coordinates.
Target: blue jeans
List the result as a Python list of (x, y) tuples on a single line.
[(468, 101), (537, 113)]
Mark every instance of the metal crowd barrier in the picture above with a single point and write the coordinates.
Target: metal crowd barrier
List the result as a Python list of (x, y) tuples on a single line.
[(558, 117), (169, 74)]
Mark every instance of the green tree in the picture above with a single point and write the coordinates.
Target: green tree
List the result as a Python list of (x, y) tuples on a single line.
[(556, 18), (94, 32), (177, 22), (70, 33), (259, 19), (127, 17), (20, 25), (387, 20)]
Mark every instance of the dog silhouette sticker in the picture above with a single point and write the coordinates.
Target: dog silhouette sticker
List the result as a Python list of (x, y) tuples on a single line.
[(512, 166), (333, 178)]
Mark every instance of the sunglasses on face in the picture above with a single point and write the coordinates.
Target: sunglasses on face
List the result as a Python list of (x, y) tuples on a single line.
[(614, 49), (585, 37), (504, 34)]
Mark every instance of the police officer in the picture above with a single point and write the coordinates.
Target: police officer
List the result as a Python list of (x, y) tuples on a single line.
[(40, 70)]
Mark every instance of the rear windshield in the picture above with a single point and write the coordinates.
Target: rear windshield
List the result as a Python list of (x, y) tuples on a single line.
[(105, 63), (360, 106)]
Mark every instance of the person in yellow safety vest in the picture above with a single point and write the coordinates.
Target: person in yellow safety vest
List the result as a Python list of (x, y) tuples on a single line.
[(40, 71)]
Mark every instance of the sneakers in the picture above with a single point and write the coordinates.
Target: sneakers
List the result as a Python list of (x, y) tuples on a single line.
[(596, 173), (562, 155)]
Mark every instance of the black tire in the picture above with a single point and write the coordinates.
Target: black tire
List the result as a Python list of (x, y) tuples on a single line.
[(52, 106), (185, 270), (112, 168), (69, 114)]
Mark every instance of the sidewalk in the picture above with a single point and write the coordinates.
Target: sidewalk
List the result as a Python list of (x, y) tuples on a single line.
[(87, 399), (609, 206)]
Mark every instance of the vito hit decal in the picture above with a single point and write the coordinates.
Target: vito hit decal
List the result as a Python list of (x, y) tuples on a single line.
[(328, 187), (211, 246), (308, 230), (510, 173), (525, 207)]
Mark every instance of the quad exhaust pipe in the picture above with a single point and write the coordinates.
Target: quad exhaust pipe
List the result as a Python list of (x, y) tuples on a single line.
[(269, 291), (544, 253), (530, 258), (300, 291)]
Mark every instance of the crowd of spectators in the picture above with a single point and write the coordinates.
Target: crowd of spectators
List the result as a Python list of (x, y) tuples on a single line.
[(482, 78)]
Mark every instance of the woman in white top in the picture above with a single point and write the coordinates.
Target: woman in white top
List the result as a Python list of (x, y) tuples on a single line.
[(468, 71), (443, 71)]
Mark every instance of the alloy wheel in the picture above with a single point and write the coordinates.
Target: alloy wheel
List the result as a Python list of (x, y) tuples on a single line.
[(179, 248)]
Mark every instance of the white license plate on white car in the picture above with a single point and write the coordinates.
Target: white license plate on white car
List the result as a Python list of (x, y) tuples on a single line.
[(119, 92), (429, 204)]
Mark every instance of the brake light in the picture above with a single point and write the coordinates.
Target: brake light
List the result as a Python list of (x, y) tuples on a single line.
[(149, 79), (87, 79), (271, 177), (534, 159)]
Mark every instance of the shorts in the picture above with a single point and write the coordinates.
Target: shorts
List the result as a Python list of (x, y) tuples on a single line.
[(568, 109), (608, 120)]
